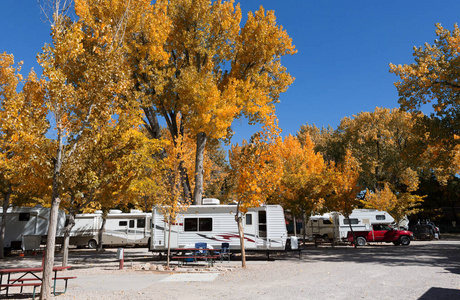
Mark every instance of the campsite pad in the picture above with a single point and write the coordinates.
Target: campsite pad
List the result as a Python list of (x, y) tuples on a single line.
[(190, 277)]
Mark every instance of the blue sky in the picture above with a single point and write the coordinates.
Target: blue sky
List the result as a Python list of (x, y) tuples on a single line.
[(344, 48)]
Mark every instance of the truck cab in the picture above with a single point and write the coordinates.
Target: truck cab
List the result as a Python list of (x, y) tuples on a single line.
[(381, 233)]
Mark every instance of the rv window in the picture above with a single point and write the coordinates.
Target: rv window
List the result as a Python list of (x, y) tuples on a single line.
[(24, 217), (380, 217), (122, 223), (352, 221), (198, 224), (191, 224), (131, 223), (327, 221), (248, 219), (205, 224), (140, 223)]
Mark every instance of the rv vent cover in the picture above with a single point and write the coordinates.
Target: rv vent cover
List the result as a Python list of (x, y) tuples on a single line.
[(114, 211), (211, 201)]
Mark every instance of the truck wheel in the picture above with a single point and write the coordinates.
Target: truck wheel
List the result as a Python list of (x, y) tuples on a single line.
[(405, 240), (360, 241), (92, 244), (397, 243)]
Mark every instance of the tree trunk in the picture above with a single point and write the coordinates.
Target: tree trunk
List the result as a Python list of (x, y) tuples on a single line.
[(169, 241), (51, 238), (241, 233), (185, 182), (304, 224), (65, 244), (352, 232), (295, 225), (6, 203), (199, 168), (101, 230), (50, 245)]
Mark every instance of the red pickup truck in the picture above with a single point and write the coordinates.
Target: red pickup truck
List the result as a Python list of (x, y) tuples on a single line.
[(381, 233)]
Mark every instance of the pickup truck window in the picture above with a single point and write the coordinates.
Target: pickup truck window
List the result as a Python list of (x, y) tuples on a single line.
[(382, 227)]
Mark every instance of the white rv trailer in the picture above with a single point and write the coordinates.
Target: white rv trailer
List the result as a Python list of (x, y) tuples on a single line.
[(264, 228), (121, 229), (28, 222), (335, 226)]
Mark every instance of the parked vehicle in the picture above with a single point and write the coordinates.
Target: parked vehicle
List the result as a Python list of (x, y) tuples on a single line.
[(424, 229), (214, 224), (381, 233), (121, 229), (335, 226), (28, 222)]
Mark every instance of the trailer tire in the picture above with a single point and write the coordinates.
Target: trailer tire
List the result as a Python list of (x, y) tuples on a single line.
[(92, 244), (405, 240), (360, 241)]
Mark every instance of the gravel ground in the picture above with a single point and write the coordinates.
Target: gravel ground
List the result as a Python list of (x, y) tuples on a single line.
[(422, 270)]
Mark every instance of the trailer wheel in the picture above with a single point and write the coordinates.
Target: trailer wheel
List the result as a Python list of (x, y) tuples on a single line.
[(92, 244), (360, 241), (405, 240)]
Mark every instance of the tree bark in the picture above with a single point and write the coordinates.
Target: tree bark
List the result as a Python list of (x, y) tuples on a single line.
[(101, 230), (169, 241), (50, 245), (51, 238), (201, 139), (6, 203), (241, 233), (352, 232), (65, 244)]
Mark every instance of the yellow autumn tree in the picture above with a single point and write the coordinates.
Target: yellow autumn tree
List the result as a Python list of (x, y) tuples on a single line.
[(433, 79), (170, 200), (87, 85), (215, 71), (22, 135), (302, 186), (390, 148), (256, 173), (343, 186)]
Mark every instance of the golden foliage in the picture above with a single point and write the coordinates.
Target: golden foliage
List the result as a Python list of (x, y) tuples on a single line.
[(433, 78), (22, 128), (255, 169), (302, 183), (344, 188)]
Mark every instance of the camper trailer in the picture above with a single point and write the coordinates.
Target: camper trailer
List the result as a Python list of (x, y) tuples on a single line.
[(29, 223), (335, 226), (121, 229), (214, 224)]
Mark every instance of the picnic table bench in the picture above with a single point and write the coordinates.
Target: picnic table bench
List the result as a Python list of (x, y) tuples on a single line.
[(34, 281)]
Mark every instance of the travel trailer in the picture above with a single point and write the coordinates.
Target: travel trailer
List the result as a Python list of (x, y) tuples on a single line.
[(335, 226), (27, 224), (214, 224), (121, 229)]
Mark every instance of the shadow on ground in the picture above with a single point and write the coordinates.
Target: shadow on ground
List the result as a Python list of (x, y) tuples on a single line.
[(440, 294)]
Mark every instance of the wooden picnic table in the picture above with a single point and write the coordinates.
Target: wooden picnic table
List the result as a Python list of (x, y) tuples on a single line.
[(207, 254), (34, 280)]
